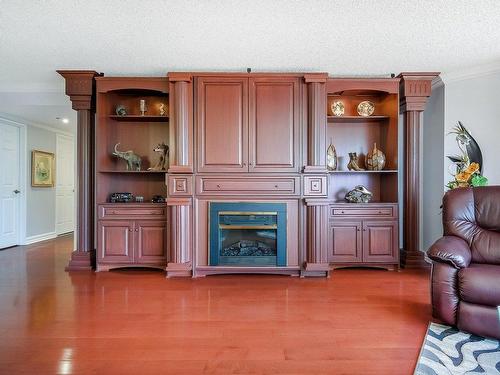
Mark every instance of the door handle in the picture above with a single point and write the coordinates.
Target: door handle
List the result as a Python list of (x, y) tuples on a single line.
[(17, 191)]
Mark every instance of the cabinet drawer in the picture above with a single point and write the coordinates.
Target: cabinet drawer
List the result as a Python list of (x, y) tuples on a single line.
[(247, 185), (389, 211), (132, 211)]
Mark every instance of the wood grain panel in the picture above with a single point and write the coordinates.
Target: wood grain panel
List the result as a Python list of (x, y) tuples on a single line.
[(151, 241), (344, 241), (380, 241), (222, 124), (247, 185), (115, 241), (273, 125)]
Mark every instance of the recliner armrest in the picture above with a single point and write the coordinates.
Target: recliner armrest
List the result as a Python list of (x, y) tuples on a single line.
[(452, 250)]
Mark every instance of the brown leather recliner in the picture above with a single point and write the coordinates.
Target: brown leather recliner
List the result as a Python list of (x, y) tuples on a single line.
[(465, 287)]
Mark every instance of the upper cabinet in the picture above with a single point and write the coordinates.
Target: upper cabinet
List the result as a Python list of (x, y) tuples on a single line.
[(222, 124), (247, 124), (273, 124)]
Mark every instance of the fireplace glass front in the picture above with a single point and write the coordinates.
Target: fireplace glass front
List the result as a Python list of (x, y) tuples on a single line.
[(250, 236)]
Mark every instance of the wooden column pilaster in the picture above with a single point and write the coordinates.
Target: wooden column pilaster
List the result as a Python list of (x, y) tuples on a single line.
[(316, 263), (80, 87), (181, 123), (415, 89), (316, 122), (180, 249)]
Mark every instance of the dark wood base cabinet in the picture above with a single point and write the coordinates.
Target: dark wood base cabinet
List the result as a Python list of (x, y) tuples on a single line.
[(132, 235), (363, 235)]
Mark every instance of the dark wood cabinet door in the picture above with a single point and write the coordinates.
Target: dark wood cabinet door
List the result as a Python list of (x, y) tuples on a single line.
[(151, 241), (116, 241), (344, 242), (273, 124), (222, 124), (380, 241)]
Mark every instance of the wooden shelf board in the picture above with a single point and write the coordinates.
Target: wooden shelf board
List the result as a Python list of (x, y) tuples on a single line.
[(382, 171), (138, 118), (356, 118), (131, 172)]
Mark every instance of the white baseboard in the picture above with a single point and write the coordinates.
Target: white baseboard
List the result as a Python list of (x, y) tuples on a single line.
[(39, 237)]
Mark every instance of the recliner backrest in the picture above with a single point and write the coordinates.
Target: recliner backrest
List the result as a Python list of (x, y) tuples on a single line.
[(473, 214)]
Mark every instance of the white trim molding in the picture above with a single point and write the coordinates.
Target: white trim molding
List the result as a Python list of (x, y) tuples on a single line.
[(471, 72), (39, 237)]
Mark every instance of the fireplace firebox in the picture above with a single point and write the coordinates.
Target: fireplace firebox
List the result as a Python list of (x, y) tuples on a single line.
[(247, 234)]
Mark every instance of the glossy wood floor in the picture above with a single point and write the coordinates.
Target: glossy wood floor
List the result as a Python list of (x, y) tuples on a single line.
[(138, 322)]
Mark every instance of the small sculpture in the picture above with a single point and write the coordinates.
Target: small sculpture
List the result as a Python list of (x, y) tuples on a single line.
[(375, 159), (359, 194), (366, 108), (133, 161), (121, 110), (331, 158), (163, 109), (162, 149), (353, 162), (142, 107), (158, 199)]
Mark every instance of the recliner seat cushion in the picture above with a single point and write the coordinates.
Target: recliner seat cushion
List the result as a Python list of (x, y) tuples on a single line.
[(480, 284)]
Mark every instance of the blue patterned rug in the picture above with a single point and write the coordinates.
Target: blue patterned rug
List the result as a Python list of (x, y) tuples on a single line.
[(448, 351)]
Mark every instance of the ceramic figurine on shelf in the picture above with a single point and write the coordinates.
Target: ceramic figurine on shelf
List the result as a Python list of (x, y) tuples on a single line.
[(353, 162), (359, 194), (331, 158), (133, 161), (121, 110), (162, 150), (142, 107), (375, 159), (163, 109)]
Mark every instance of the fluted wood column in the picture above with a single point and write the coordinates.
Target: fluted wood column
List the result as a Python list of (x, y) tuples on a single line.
[(316, 263), (181, 123), (316, 123), (415, 88), (80, 87), (180, 224)]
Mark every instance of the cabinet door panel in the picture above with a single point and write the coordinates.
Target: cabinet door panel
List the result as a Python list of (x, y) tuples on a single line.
[(380, 241), (115, 241), (151, 241), (273, 127), (344, 242), (222, 124)]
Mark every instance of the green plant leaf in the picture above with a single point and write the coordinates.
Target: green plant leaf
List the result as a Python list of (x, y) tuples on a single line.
[(479, 180)]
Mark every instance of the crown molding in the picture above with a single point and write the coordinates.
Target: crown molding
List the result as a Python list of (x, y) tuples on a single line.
[(471, 72), (23, 122)]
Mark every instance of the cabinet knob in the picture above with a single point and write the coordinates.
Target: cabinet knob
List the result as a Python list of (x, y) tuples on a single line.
[(244, 164), (250, 164), (276, 186), (341, 212), (130, 230), (218, 186), (137, 229)]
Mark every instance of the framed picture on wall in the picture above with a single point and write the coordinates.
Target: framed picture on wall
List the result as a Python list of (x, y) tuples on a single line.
[(42, 169)]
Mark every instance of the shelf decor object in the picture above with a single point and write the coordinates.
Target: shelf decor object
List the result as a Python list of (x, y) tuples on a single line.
[(359, 194), (375, 159), (142, 107), (338, 108), (133, 160), (121, 110), (353, 162), (331, 155), (366, 108), (162, 150), (163, 111)]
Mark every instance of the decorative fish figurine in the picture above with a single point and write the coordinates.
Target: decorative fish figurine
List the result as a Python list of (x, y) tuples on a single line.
[(331, 158)]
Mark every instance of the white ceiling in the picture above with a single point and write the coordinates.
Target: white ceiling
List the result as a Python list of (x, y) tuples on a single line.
[(129, 37)]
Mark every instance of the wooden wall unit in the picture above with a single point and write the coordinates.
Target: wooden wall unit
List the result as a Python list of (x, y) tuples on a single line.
[(253, 137), (364, 234)]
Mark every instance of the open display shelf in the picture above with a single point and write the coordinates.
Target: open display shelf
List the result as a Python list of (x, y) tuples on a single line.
[(139, 118)]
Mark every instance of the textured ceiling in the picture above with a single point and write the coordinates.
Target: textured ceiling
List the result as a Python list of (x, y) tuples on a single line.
[(124, 37)]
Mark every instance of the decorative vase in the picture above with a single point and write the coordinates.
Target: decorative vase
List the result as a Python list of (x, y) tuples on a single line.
[(331, 158), (375, 159), (142, 107), (353, 162), (121, 110)]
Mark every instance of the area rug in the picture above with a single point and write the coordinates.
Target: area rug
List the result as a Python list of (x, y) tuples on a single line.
[(448, 351)]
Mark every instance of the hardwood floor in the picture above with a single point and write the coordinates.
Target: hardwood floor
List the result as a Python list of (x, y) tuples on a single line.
[(138, 322)]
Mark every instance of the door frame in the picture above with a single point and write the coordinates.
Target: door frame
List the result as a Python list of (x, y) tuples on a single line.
[(75, 176), (23, 177)]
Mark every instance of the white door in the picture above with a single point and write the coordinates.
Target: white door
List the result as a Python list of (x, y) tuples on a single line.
[(10, 185), (65, 185)]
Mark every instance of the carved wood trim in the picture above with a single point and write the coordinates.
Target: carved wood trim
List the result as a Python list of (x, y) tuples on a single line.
[(180, 225), (415, 88), (316, 127), (317, 238), (80, 87)]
